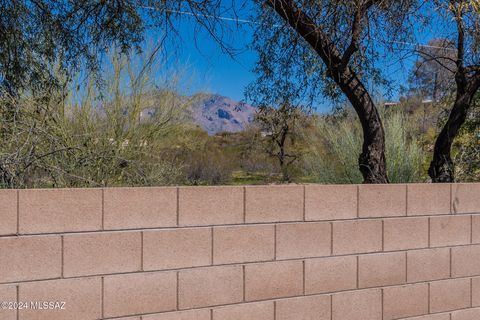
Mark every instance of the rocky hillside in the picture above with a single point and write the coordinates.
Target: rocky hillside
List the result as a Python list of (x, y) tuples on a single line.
[(216, 113)]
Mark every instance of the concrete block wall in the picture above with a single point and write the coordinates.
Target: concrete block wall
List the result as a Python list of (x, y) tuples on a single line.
[(313, 252)]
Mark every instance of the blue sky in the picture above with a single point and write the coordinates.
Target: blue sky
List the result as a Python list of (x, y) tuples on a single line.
[(205, 68)]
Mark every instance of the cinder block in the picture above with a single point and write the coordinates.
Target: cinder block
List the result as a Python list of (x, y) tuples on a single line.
[(443, 316), (447, 295), (131, 208), (450, 230), (428, 264), (274, 203), (466, 261), (375, 270), (330, 274), (405, 233), (200, 206), (101, 253), (388, 200), (466, 198), (200, 314), (8, 294), (246, 311), (355, 305), (330, 202), (361, 236), (177, 248), (203, 287), (469, 314), (304, 308), (405, 301), (82, 297), (428, 199), (476, 292), (237, 244), (137, 293), (60, 210), (303, 240), (476, 229), (30, 258), (273, 280), (8, 212)]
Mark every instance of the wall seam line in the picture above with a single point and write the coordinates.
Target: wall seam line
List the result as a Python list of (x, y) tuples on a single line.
[(18, 212)]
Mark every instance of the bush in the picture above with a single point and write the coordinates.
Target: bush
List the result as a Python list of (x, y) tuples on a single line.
[(336, 144)]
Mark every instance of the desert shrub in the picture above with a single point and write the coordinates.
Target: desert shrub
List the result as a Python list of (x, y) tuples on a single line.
[(108, 135), (336, 144)]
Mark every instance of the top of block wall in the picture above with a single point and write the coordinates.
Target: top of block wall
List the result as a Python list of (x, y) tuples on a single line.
[(40, 211)]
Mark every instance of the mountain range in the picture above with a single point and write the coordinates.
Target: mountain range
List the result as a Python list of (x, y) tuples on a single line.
[(216, 113)]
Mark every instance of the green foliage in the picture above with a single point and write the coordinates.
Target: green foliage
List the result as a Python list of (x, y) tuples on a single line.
[(101, 139), (336, 143)]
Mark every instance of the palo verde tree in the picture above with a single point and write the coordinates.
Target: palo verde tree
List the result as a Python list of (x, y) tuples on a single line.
[(466, 22), (36, 35), (309, 48)]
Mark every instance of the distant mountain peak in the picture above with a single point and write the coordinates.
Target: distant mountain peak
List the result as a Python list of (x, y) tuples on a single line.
[(216, 113)]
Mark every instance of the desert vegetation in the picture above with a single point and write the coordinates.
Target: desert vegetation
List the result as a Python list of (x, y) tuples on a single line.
[(82, 103)]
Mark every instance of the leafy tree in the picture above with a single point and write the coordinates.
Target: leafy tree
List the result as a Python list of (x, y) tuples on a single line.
[(432, 76), (466, 19), (308, 48), (281, 127)]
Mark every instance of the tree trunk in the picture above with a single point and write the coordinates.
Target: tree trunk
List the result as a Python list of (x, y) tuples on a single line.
[(372, 162), (441, 168)]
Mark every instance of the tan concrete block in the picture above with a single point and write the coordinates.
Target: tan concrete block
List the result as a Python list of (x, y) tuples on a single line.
[(246, 311), (330, 274), (361, 236), (405, 233), (428, 199), (274, 203), (200, 206), (202, 287), (82, 297), (137, 293), (476, 229), (127, 318), (60, 210), (177, 248), (8, 296), (375, 270), (355, 305), (466, 198), (330, 202), (405, 301), (273, 280), (450, 230), (30, 258), (387, 200), (8, 212), (303, 240), (428, 264), (101, 253), (476, 292), (237, 244), (200, 314), (443, 316), (466, 261), (304, 308), (447, 295), (469, 314), (130, 208)]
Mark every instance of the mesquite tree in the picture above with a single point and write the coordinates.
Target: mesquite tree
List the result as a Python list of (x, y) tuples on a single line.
[(326, 47), (466, 18)]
